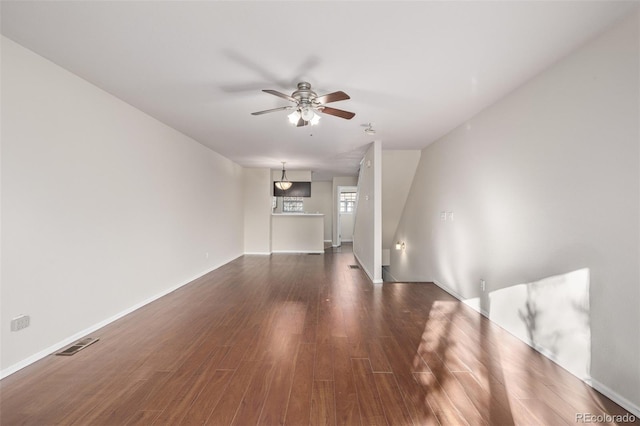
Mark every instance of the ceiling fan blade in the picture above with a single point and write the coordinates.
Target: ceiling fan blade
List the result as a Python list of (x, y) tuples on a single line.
[(273, 110), (301, 122), (332, 97), (337, 112), (281, 95)]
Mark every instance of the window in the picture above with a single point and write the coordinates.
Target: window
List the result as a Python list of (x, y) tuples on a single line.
[(293, 204), (347, 202)]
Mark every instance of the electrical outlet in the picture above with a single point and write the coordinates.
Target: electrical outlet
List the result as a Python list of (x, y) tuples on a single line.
[(483, 285), (443, 216), (20, 322)]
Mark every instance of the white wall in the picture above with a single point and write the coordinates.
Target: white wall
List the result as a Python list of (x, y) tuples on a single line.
[(543, 185), (367, 232), (103, 207), (257, 211), (398, 169), (321, 202)]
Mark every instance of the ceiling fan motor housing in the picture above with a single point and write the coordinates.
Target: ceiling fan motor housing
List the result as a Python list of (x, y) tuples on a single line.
[(304, 94)]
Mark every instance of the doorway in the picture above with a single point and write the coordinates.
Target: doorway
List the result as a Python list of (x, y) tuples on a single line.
[(346, 205)]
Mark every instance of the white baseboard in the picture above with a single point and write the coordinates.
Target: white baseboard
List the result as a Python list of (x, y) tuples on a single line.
[(364, 268), (67, 341), (257, 253), (390, 275), (448, 290), (480, 311), (614, 396)]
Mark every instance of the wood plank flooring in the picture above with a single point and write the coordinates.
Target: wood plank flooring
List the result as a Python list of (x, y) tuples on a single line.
[(297, 340)]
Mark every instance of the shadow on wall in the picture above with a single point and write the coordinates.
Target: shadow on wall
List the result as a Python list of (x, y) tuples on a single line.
[(551, 315)]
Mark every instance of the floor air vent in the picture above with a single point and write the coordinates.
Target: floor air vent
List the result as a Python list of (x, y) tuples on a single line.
[(354, 267), (78, 346)]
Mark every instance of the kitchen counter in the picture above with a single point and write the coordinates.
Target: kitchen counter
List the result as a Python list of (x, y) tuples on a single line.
[(297, 214), (297, 233)]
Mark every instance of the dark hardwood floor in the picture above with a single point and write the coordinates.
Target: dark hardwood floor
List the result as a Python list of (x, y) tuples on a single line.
[(297, 340)]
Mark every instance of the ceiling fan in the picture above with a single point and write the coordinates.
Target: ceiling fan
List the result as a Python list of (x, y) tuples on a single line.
[(307, 102)]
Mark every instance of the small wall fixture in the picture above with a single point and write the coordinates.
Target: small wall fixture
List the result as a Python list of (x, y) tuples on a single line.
[(400, 245), (370, 130), (283, 183)]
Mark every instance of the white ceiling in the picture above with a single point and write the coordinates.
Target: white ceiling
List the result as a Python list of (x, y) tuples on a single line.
[(414, 69)]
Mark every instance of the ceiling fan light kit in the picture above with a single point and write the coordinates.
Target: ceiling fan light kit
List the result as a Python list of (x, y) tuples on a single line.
[(308, 103), (308, 116)]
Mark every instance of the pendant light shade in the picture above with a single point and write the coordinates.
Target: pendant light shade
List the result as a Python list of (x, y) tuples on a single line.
[(315, 120), (283, 183), (307, 113)]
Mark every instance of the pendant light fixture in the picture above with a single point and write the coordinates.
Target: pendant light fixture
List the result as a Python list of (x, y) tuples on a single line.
[(283, 183)]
